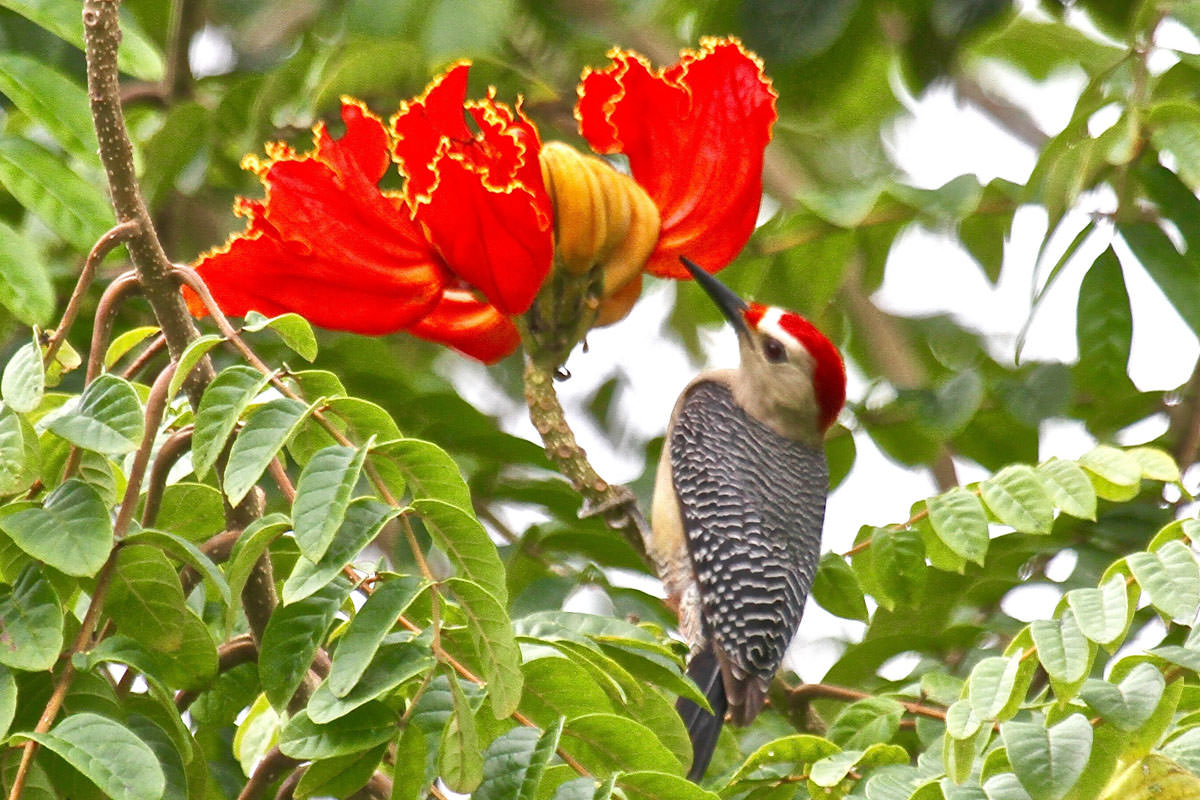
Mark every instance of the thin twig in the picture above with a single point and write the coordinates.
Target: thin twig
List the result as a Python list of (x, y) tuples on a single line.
[(270, 767), (118, 292), (143, 358), (168, 453), (156, 405), (808, 691), (104, 245)]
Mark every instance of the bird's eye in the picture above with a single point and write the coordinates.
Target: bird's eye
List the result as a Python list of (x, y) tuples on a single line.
[(774, 350)]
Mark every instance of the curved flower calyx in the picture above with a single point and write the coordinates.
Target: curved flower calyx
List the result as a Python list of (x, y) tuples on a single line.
[(694, 134), (480, 196), (603, 221)]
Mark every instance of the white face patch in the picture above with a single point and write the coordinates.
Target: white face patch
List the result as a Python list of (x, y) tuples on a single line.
[(770, 325)]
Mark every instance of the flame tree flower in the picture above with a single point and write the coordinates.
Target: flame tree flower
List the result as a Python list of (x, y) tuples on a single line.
[(469, 241)]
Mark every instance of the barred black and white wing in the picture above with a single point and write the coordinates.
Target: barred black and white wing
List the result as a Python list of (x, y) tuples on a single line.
[(752, 504)]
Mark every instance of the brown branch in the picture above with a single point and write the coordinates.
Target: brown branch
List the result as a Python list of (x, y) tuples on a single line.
[(616, 503), (168, 453), (102, 37), (156, 405), (143, 358), (117, 234), (122, 287), (809, 691), (272, 765), (237, 651)]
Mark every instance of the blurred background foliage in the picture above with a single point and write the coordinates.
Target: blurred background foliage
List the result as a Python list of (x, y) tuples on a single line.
[(208, 82)]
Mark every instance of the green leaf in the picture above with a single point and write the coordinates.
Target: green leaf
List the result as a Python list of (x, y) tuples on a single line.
[(194, 511), (293, 329), (186, 552), (1015, 495), (898, 566), (427, 469), (322, 495), (220, 407), (1157, 465), (25, 287), (107, 420), (368, 726), (1102, 614), (196, 350), (177, 144), (71, 532), (8, 700), (1068, 487), (20, 457), (559, 687), (341, 776), (1062, 648), (837, 590), (797, 749), (1115, 474), (1177, 276), (960, 523), (1048, 761), (146, 600), (32, 622), (359, 643), (460, 759), (24, 380), (607, 743), (1171, 578), (996, 687), (291, 639), (53, 100), (514, 763), (409, 779), (865, 722), (126, 341), (1129, 703), (266, 431), (655, 785), (395, 663), (246, 551), (492, 634), (1175, 128), (137, 55), (465, 543), (961, 721), (43, 183), (108, 754), (1104, 327), (364, 519)]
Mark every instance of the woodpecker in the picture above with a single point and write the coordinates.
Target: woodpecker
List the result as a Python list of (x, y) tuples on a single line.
[(739, 501)]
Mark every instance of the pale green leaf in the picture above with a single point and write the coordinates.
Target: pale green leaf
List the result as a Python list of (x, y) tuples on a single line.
[(126, 341), (24, 379), (960, 522), (264, 435), (1062, 648), (108, 754), (1016, 496), (1115, 474), (395, 663), (1068, 487), (1048, 761), (492, 634), (32, 622), (20, 457), (1171, 578), (220, 407), (107, 420), (322, 495), (1103, 613), (464, 541), (374, 619), (293, 329), (460, 758), (836, 588), (1157, 465), (608, 743), (1129, 703), (364, 728), (196, 350), (71, 532), (995, 688), (364, 519)]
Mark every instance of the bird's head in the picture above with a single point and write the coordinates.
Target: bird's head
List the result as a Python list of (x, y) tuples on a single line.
[(791, 377)]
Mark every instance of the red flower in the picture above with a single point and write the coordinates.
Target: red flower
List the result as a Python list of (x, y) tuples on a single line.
[(694, 133), (469, 240)]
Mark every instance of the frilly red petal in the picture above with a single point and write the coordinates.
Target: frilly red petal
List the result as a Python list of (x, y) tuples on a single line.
[(479, 197), (469, 325), (326, 242), (694, 133)]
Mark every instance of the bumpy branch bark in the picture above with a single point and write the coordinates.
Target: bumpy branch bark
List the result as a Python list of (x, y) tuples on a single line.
[(102, 37)]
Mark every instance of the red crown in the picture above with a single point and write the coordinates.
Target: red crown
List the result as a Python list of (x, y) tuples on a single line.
[(829, 371)]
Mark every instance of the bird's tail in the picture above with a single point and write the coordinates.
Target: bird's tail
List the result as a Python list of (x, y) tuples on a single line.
[(703, 728)]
